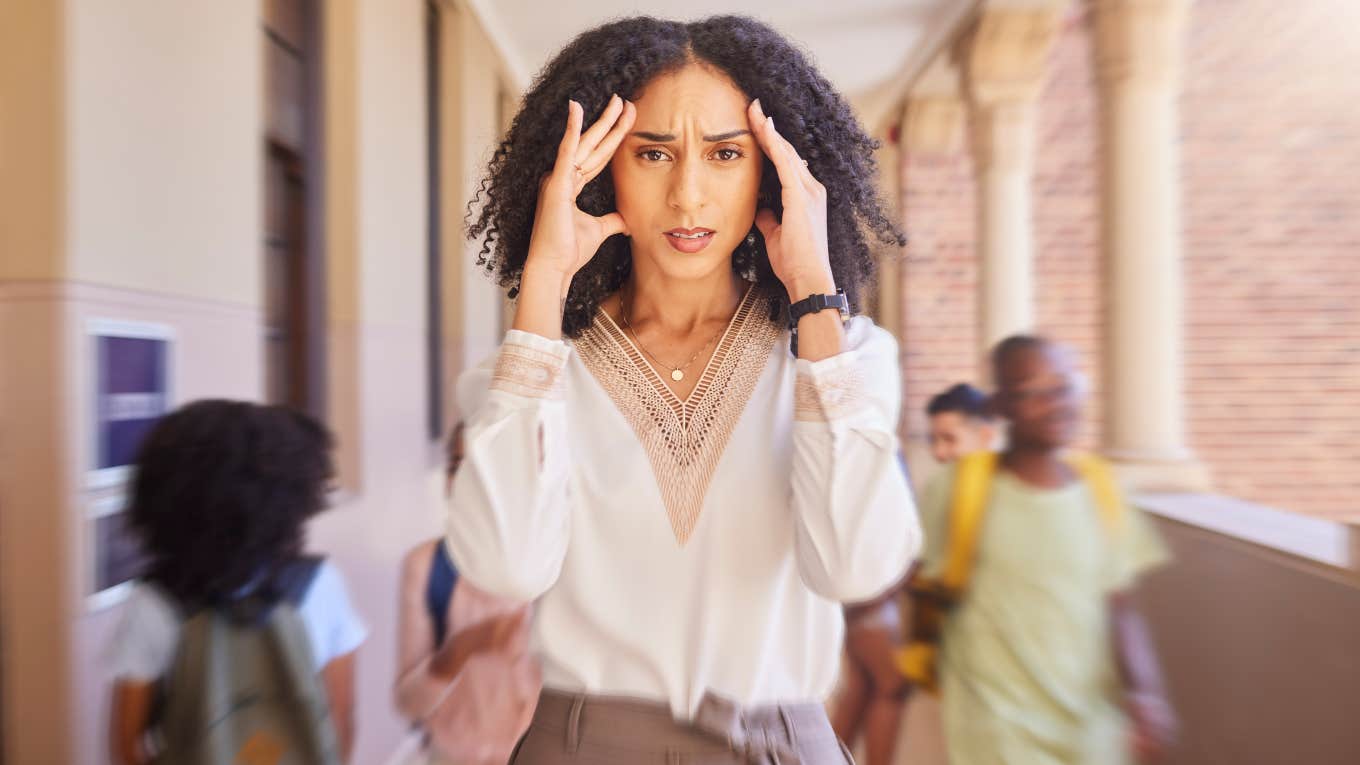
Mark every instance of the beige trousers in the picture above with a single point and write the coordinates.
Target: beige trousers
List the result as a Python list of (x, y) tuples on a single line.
[(584, 729)]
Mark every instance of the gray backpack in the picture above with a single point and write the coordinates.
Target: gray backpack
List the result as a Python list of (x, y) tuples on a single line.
[(243, 689)]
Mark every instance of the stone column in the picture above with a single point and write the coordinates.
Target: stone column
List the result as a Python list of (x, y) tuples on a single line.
[(930, 127), (1138, 53), (1005, 60), (1003, 147)]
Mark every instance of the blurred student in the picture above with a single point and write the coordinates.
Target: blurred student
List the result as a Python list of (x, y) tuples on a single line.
[(871, 695), (871, 698), (1031, 555), (960, 423), (465, 677), (235, 646)]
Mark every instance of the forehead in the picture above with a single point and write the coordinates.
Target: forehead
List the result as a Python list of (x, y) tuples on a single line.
[(1035, 363), (695, 96)]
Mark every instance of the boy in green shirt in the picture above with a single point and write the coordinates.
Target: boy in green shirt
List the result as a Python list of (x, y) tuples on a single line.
[(1045, 655)]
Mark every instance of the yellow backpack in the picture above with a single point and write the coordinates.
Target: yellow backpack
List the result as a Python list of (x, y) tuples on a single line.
[(934, 597)]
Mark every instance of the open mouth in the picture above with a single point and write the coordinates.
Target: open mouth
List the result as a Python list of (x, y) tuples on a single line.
[(689, 240), (689, 233)]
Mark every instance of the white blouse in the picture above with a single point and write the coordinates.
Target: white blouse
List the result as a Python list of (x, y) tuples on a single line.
[(676, 548)]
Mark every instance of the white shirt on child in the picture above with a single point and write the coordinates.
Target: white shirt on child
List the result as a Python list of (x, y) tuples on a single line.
[(148, 634)]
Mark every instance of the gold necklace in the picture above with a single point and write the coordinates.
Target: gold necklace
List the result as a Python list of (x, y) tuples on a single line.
[(677, 373)]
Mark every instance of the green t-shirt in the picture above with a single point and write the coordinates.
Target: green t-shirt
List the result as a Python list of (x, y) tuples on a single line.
[(1028, 671)]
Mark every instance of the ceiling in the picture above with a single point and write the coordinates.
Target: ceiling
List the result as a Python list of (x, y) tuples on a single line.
[(870, 49)]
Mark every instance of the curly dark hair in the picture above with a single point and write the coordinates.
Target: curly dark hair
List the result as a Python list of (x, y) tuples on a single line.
[(622, 57), (222, 494)]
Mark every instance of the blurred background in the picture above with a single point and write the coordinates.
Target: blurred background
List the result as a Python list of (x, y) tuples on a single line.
[(264, 199)]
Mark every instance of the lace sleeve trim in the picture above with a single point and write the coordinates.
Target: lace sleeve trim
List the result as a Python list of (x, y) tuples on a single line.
[(528, 372), (828, 395)]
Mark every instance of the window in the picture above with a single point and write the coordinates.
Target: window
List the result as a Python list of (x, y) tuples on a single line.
[(434, 303), (293, 275)]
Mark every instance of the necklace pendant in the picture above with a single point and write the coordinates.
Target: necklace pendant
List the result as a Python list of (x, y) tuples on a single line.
[(677, 375)]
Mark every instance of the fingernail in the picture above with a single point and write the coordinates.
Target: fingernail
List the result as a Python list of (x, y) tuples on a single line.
[(759, 108), (771, 121)]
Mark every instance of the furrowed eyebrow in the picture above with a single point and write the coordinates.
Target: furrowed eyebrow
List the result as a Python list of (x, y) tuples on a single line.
[(668, 137), (729, 135)]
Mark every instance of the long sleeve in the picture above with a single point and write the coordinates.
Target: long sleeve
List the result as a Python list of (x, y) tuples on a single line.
[(509, 510), (857, 528)]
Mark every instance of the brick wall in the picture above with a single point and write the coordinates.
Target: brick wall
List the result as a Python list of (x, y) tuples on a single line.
[(1070, 298), (1271, 131), (939, 301), (1271, 165)]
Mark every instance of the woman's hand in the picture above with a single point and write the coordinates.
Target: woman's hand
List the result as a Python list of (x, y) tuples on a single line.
[(797, 245), (564, 237)]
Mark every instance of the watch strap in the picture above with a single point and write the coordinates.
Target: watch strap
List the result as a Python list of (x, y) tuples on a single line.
[(816, 303)]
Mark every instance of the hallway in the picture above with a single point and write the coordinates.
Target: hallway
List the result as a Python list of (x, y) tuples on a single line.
[(270, 197)]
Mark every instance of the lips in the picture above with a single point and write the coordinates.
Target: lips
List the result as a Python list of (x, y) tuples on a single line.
[(690, 233), (689, 240)]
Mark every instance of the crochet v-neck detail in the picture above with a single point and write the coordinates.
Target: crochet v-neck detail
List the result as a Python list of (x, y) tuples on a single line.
[(684, 438)]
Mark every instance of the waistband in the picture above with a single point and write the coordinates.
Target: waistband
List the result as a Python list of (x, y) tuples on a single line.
[(761, 734)]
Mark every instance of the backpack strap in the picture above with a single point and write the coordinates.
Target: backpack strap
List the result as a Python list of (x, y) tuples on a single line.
[(972, 488), (1095, 472), (439, 590)]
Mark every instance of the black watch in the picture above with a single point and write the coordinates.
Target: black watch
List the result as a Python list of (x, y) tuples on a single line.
[(815, 304)]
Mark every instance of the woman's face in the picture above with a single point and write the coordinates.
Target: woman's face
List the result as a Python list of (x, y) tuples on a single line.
[(687, 177)]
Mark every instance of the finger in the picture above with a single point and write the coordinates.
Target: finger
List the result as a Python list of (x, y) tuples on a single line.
[(591, 138), (599, 159), (772, 141), (571, 138), (766, 223), (799, 164), (612, 224), (774, 146)]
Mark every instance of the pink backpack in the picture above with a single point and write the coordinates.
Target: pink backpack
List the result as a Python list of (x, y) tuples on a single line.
[(486, 712)]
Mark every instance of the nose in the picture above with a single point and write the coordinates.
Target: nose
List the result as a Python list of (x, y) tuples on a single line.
[(686, 194)]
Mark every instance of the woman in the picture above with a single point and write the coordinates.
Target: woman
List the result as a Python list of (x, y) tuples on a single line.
[(686, 500)]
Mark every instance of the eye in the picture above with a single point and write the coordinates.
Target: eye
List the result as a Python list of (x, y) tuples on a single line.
[(653, 155), (728, 154)]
